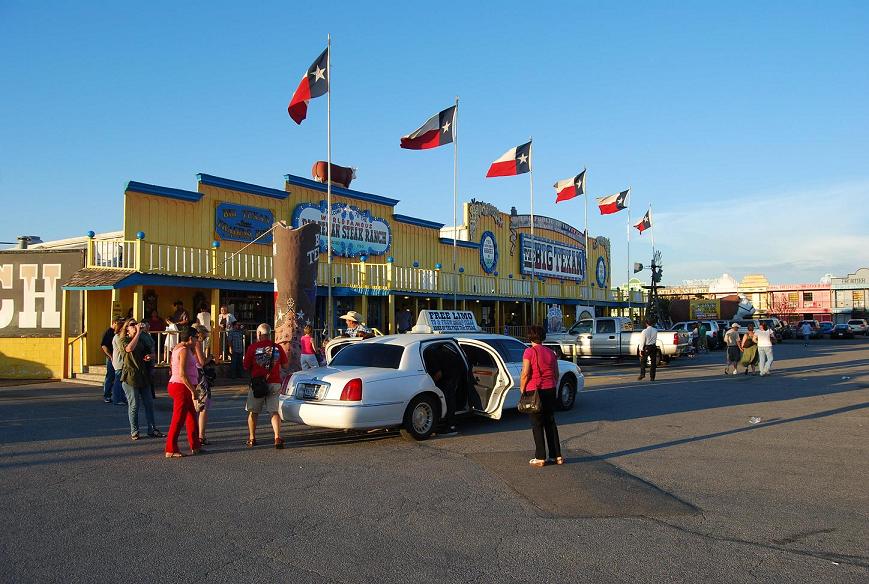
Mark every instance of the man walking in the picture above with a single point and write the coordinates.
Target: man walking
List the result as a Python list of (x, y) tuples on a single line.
[(264, 358), (806, 331), (764, 339), (236, 350), (731, 339), (701, 335), (648, 350)]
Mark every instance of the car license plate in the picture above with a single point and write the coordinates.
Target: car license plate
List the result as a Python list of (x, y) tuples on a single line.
[(308, 391)]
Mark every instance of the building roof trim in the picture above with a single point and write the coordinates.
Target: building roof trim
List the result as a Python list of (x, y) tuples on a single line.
[(168, 192), (418, 222), (340, 191), (235, 185), (459, 243)]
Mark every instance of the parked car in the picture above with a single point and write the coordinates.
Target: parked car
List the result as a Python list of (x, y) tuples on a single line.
[(859, 326), (842, 331), (825, 329), (614, 338), (714, 333), (384, 381)]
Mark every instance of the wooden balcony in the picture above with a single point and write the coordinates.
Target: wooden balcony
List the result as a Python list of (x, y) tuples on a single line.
[(174, 260)]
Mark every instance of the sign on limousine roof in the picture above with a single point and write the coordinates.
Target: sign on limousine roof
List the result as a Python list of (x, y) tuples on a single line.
[(446, 321)]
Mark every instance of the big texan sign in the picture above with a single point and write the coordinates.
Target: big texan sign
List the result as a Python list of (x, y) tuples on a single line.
[(552, 259)]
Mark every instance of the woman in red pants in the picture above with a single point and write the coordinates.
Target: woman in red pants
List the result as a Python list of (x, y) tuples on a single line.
[(184, 378)]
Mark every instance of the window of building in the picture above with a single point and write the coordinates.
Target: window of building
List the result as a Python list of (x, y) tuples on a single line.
[(793, 297), (807, 296)]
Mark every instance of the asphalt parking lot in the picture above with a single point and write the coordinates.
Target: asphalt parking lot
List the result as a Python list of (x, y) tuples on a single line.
[(665, 481)]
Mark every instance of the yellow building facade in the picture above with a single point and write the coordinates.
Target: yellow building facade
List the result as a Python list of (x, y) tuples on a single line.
[(212, 247)]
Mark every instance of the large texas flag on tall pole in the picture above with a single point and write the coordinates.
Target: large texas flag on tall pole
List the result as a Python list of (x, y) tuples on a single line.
[(515, 161), (314, 84), (436, 131), (570, 187), (613, 203)]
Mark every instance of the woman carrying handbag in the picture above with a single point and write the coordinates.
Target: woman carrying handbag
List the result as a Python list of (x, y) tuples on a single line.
[(540, 375)]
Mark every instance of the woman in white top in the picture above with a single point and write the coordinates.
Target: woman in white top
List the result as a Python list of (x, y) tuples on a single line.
[(764, 339), (203, 318)]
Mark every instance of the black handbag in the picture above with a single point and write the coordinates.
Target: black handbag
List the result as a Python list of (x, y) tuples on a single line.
[(529, 402), (259, 385)]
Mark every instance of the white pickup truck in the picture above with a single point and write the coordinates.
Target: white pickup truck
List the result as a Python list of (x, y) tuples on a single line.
[(613, 338)]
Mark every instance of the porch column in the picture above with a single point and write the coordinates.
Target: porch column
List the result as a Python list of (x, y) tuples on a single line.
[(138, 299), (66, 373), (440, 303), (364, 310), (116, 310), (214, 340), (390, 302), (498, 328)]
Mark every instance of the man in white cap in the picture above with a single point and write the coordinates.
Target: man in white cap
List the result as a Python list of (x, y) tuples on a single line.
[(734, 354), (355, 328)]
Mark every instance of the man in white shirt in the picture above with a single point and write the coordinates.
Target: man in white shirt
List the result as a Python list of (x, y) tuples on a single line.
[(648, 350), (806, 331), (764, 339)]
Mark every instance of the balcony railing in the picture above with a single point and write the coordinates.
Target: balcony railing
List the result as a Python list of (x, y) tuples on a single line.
[(160, 258)]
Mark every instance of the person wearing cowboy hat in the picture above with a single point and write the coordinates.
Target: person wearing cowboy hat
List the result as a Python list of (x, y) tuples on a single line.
[(731, 339), (355, 328)]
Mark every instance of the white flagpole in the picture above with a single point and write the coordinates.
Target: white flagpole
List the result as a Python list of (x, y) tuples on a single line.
[(628, 286), (455, 203), (533, 245), (652, 230), (329, 309), (587, 277)]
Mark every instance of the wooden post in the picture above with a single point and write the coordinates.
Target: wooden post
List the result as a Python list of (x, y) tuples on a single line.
[(138, 299), (67, 372), (391, 309), (214, 339)]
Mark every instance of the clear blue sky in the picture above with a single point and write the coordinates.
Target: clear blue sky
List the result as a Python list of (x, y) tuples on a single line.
[(745, 124)]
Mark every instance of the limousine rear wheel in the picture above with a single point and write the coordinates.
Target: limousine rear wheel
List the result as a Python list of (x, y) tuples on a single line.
[(566, 394), (420, 418)]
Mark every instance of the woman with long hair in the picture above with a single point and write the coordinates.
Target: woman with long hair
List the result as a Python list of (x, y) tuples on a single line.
[(135, 378), (540, 374), (749, 350), (182, 384)]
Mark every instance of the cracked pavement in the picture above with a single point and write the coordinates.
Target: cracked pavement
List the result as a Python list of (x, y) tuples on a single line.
[(779, 501)]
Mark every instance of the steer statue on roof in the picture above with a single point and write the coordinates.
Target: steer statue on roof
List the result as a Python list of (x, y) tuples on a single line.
[(341, 175)]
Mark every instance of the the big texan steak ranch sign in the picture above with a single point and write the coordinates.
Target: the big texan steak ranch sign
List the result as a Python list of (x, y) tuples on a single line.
[(355, 232), (552, 259)]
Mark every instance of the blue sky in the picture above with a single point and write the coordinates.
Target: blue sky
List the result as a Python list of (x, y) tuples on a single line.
[(745, 125)]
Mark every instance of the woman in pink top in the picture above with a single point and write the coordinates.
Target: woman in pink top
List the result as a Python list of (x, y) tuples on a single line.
[(185, 376), (540, 374), (309, 349)]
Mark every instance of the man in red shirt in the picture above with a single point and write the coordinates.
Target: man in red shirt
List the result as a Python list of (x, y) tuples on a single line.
[(264, 358)]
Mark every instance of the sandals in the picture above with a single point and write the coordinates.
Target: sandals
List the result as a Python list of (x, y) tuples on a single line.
[(559, 460), (537, 463), (251, 442), (174, 455), (155, 433), (134, 437), (203, 441), (279, 443)]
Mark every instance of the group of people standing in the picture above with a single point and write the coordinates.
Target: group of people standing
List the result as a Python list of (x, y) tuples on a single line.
[(753, 350)]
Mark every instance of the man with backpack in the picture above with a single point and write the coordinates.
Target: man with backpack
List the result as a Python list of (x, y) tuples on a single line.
[(264, 359)]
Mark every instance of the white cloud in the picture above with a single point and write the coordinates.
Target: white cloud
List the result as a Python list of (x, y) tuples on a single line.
[(791, 237)]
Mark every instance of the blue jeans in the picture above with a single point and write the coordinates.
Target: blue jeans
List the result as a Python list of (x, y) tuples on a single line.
[(236, 370), (118, 391), (110, 379), (765, 355), (134, 396)]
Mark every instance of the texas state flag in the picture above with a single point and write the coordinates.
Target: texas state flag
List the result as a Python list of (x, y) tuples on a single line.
[(613, 203), (645, 222), (515, 161), (570, 187), (314, 84), (437, 131)]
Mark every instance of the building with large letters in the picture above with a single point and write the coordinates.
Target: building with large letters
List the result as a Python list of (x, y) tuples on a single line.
[(212, 246)]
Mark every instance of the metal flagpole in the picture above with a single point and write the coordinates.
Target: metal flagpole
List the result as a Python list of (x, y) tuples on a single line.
[(587, 277), (455, 202), (652, 230), (329, 310), (628, 285), (533, 245)]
